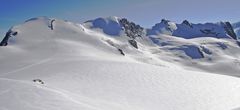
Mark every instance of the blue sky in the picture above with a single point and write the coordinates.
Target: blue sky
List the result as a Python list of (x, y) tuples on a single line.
[(143, 12)]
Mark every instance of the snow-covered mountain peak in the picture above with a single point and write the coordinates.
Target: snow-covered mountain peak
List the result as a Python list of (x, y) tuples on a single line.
[(164, 27), (108, 25), (187, 23), (189, 30), (115, 26)]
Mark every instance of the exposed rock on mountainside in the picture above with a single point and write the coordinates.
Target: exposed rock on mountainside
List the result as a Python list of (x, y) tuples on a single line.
[(9, 34), (131, 29), (187, 23), (229, 30)]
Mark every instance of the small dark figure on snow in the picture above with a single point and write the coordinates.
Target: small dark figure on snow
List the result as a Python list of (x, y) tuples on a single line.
[(120, 50), (38, 81)]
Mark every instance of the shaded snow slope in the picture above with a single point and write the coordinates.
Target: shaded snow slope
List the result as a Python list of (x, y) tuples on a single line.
[(219, 56), (83, 69)]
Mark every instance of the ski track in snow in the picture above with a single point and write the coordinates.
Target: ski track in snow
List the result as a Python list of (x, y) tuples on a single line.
[(46, 88), (26, 67)]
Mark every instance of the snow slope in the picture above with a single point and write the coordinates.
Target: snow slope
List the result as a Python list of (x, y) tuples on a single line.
[(83, 69)]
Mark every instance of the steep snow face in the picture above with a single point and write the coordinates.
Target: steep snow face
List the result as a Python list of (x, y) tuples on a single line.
[(83, 69), (189, 30), (110, 25)]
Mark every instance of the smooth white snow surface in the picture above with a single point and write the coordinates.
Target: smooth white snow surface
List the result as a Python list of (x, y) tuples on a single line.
[(82, 69)]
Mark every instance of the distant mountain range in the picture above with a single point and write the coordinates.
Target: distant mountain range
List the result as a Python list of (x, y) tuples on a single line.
[(112, 26)]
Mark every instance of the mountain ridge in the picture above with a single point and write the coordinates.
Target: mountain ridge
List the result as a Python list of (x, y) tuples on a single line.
[(223, 29)]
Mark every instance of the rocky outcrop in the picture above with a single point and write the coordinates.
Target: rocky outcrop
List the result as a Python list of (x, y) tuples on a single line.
[(229, 29), (131, 29), (185, 22), (133, 43), (9, 34), (121, 52), (51, 24)]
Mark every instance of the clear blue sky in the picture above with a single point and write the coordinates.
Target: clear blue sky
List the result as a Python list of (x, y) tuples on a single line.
[(143, 12)]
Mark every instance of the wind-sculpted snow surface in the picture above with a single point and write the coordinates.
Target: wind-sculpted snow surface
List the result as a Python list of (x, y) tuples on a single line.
[(77, 67)]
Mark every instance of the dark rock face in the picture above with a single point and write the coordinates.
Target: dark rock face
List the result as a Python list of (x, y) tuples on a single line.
[(133, 43), (229, 29), (9, 34), (164, 21), (187, 23), (51, 24), (131, 29), (238, 43), (121, 52)]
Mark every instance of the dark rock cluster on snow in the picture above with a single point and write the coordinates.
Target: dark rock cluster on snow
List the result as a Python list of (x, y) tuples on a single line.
[(132, 30), (9, 34), (229, 29), (187, 23), (121, 52), (133, 43), (167, 25), (51, 24)]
